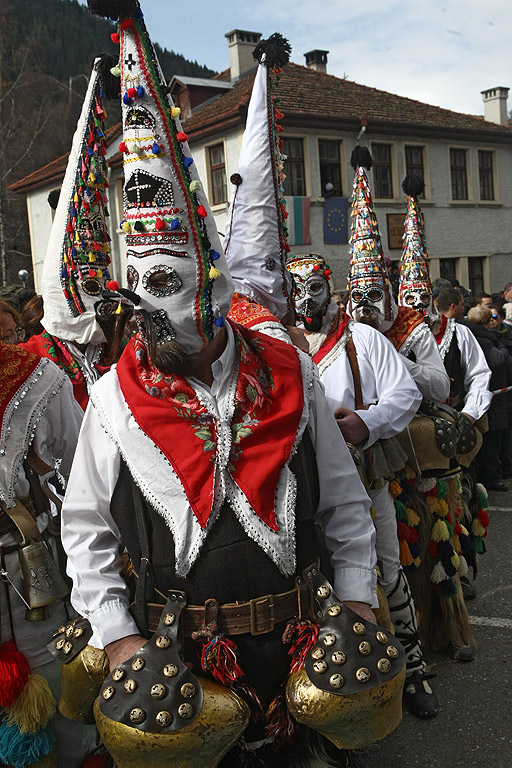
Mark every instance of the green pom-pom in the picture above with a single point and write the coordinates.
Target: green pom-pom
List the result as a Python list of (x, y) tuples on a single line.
[(401, 511), (442, 488), (478, 545)]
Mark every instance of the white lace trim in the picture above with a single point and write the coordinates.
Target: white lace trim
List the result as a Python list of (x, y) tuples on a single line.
[(32, 398), (415, 335), (336, 351), (161, 486), (446, 341)]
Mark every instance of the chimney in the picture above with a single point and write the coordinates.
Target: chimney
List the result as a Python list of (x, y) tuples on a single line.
[(241, 44), (316, 60), (495, 105)]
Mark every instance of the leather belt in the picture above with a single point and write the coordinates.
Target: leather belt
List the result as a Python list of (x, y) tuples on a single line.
[(256, 617)]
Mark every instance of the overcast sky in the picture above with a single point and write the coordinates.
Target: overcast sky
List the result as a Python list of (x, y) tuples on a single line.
[(442, 52)]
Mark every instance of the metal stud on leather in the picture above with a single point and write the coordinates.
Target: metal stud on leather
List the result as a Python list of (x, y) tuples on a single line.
[(154, 690), (351, 654), (69, 640)]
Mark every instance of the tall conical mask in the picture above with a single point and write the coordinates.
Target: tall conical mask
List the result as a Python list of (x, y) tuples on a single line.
[(370, 296), (76, 264), (256, 235), (176, 271), (415, 290)]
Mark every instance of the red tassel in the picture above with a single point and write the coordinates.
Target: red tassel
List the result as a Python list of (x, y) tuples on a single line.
[(432, 548), (14, 673), (403, 532), (218, 655), (181, 137), (112, 285), (115, 38), (123, 148), (127, 24), (483, 517), (280, 725), (202, 212), (302, 635)]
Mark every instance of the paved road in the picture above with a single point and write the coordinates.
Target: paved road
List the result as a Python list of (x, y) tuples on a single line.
[(474, 727)]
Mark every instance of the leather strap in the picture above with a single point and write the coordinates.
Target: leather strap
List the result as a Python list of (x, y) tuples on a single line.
[(354, 367), (37, 464), (143, 582), (24, 522), (255, 617)]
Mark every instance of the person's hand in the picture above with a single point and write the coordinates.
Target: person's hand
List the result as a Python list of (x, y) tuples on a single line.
[(123, 649), (298, 338), (472, 420), (362, 609), (352, 427)]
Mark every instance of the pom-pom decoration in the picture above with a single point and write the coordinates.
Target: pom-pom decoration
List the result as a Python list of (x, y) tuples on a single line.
[(19, 750), (202, 212), (34, 707), (112, 285), (159, 224), (361, 158), (274, 52), (14, 673), (195, 185), (181, 137)]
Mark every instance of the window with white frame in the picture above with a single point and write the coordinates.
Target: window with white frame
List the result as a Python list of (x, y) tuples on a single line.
[(486, 174), (382, 171), (217, 168), (294, 167), (459, 173)]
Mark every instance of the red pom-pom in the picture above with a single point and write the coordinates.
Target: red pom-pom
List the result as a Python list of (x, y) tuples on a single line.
[(123, 148), (432, 548), (115, 37), (202, 212), (181, 137), (14, 673), (159, 224), (316, 267), (132, 93), (413, 536), (127, 24), (327, 272), (112, 285), (483, 517), (403, 532)]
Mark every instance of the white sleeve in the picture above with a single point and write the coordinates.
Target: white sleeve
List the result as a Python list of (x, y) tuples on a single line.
[(344, 507), (92, 539), (477, 374), (57, 432), (397, 396), (428, 371), (275, 330)]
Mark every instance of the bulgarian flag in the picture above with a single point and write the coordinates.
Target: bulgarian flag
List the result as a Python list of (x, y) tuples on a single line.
[(298, 220)]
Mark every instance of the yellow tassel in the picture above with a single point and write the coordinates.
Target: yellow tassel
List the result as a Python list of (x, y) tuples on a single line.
[(395, 488), (49, 761), (99, 273), (477, 528), (75, 198), (439, 531), (412, 517), (417, 561), (432, 504), (175, 112), (410, 473), (443, 508), (455, 560), (92, 178), (405, 554), (119, 309), (126, 226), (214, 273), (456, 544), (34, 707), (373, 512), (464, 530), (91, 256)]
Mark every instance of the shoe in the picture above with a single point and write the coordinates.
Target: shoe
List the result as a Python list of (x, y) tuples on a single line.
[(466, 653), (419, 697), (468, 589), (497, 487)]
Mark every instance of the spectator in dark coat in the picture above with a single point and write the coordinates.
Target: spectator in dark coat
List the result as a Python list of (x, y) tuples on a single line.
[(504, 334), (498, 360)]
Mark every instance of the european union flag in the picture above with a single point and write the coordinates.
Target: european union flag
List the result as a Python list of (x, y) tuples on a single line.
[(336, 220)]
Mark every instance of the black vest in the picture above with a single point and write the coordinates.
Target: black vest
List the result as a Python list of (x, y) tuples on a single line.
[(453, 366), (230, 566)]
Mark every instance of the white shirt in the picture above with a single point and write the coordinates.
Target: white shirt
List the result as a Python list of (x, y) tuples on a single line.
[(387, 388), (428, 370), (477, 374), (93, 541)]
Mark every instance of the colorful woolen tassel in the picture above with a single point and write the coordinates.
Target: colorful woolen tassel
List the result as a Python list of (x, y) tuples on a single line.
[(14, 673)]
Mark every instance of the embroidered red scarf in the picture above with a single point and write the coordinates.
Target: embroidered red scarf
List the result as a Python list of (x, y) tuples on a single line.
[(268, 406), (440, 334), (405, 322), (16, 365), (248, 312), (336, 331), (48, 346)]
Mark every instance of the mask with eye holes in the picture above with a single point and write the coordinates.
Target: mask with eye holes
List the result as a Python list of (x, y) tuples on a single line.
[(176, 270), (312, 290)]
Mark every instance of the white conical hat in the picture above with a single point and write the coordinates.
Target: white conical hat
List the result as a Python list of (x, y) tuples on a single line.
[(176, 269), (256, 237), (77, 258)]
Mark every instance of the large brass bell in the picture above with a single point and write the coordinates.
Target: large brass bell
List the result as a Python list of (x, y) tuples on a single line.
[(81, 681), (42, 581)]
